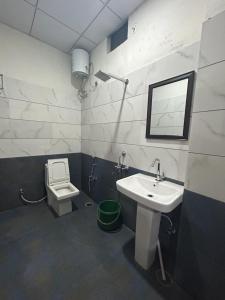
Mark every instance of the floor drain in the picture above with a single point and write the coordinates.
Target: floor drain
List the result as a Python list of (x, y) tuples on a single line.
[(169, 279), (88, 204)]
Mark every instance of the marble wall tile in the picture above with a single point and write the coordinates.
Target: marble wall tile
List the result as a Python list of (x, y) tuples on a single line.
[(110, 125), (173, 162), (132, 132), (5, 129), (208, 134), (130, 109), (67, 99), (21, 129), (4, 108), (64, 115), (205, 175), (21, 90), (66, 131), (29, 111), (180, 62), (39, 112), (210, 88), (32, 147), (213, 42)]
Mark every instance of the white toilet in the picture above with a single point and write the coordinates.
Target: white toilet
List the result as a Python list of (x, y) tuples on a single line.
[(58, 185)]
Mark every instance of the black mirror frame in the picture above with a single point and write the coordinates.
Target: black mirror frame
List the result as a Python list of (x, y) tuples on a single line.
[(190, 76)]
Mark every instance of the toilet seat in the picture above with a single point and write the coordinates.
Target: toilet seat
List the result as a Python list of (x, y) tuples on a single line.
[(59, 188), (64, 190)]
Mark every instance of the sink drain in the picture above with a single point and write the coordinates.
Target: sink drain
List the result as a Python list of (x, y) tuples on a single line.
[(150, 195), (88, 204)]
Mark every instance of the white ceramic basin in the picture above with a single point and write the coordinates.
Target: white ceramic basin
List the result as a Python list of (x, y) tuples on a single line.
[(161, 196), (153, 198)]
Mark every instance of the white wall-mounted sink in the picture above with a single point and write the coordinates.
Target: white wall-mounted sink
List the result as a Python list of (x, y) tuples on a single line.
[(161, 196), (153, 198)]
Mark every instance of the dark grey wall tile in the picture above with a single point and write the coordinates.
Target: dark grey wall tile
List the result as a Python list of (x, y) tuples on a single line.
[(200, 265)]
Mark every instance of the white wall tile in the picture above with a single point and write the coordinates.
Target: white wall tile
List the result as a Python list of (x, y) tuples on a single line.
[(207, 133), (130, 109), (66, 131), (4, 108), (21, 129), (205, 176), (210, 88), (24, 110), (132, 132), (31, 147), (21, 90), (213, 42), (180, 62)]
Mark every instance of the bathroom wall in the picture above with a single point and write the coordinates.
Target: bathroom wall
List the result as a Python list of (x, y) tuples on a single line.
[(201, 248), (40, 115), (159, 46), (163, 41), (155, 51)]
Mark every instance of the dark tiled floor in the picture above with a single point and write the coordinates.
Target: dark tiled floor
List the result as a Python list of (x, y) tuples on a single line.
[(43, 257)]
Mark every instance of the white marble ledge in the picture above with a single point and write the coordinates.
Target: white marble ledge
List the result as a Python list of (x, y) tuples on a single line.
[(31, 147), (173, 162), (205, 176)]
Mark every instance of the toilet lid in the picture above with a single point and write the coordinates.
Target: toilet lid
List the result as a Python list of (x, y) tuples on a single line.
[(58, 171)]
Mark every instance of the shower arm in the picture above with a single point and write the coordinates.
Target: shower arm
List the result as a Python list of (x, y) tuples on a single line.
[(126, 81)]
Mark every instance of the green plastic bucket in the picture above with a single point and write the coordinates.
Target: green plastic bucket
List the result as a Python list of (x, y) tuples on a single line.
[(109, 215)]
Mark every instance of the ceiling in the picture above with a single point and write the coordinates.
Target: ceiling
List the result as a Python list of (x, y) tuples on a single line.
[(66, 24)]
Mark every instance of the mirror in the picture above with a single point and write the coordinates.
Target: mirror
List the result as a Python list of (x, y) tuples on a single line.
[(169, 107)]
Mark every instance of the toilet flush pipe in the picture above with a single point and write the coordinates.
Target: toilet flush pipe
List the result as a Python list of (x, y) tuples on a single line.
[(29, 201)]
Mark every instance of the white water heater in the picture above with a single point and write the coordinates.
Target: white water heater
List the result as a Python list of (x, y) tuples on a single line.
[(80, 63)]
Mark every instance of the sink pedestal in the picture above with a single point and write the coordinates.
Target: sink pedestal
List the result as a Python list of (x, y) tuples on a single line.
[(147, 230)]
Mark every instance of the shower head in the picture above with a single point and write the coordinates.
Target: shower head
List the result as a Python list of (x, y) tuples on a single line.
[(105, 77)]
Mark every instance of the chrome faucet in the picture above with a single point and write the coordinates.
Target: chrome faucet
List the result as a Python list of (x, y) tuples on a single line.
[(159, 177)]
